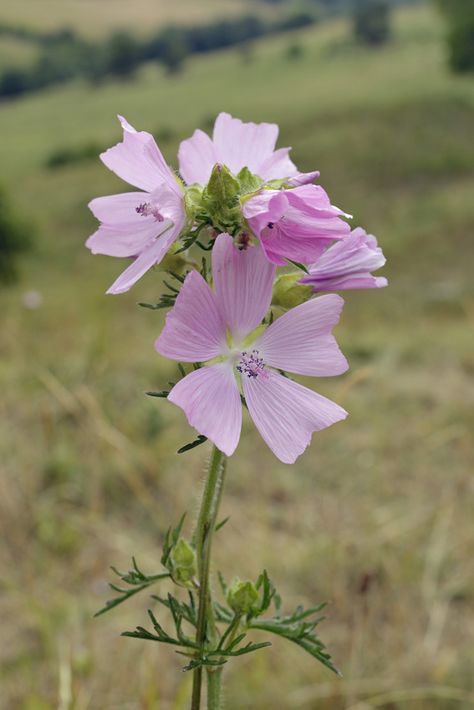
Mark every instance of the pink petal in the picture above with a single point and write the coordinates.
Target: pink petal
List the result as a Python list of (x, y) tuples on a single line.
[(303, 178), (210, 399), (347, 264), (239, 144), (301, 341), (243, 282), (152, 255), (128, 239), (194, 330), (197, 158), (138, 160), (286, 413), (122, 208), (277, 166)]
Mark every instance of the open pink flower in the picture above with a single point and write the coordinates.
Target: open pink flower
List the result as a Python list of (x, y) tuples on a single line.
[(347, 264), (238, 145), (218, 327), (141, 225), (297, 224)]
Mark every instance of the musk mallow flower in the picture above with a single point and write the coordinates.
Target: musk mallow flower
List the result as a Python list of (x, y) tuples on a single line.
[(293, 219), (142, 225), (222, 328), (347, 264), (238, 145)]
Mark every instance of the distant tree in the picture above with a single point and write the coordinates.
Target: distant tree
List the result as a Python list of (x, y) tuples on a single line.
[(173, 49), (460, 17), (122, 55), (14, 238), (13, 82), (371, 21)]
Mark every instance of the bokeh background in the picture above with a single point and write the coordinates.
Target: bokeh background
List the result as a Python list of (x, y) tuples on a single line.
[(377, 516)]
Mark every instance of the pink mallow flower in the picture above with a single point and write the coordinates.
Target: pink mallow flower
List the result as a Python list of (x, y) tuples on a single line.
[(238, 145), (141, 225), (347, 265), (220, 328), (296, 223)]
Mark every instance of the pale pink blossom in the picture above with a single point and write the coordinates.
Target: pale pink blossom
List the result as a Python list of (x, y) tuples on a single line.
[(348, 265), (141, 225), (219, 328), (238, 145)]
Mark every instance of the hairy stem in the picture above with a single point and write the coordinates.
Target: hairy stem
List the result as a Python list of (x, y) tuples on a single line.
[(203, 538), (214, 689)]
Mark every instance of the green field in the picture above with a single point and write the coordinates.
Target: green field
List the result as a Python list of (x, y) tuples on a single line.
[(376, 517)]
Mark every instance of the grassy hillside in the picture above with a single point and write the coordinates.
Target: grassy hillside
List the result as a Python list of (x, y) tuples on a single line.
[(375, 517)]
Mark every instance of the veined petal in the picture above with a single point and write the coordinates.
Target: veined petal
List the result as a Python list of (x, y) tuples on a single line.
[(138, 160), (128, 239), (194, 330), (117, 209), (240, 145), (243, 282), (150, 256), (301, 341), (277, 166), (210, 399), (197, 157), (286, 414)]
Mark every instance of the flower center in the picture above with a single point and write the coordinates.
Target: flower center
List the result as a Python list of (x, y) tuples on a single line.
[(147, 209), (251, 364)]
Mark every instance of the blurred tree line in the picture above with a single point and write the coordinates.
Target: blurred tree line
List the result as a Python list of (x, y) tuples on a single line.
[(64, 55), (460, 18)]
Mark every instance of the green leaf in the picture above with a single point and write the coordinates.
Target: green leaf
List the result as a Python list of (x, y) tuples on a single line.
[(192, 445)]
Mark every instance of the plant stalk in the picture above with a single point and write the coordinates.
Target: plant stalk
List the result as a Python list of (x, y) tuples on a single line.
[(203, 539)]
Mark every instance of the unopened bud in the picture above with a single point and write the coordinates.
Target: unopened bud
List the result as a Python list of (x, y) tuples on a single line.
[(242, 597), (182, 563), (288, 292), (172, 261)]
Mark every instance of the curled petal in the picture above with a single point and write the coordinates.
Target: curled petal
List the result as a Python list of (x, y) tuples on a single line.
[(210, 399), (347, 264), (138, 160), (243, 282), (286, 414), (301, 340), (194, 330)]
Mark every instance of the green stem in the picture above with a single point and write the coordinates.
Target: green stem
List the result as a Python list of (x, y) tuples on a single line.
[(214, 677), (203, 538)]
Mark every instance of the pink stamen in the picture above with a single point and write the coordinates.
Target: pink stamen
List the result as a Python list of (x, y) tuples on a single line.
[(146, 209), (251, 364)]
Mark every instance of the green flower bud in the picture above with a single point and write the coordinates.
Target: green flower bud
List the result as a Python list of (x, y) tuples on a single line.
[(242, 597), (192, 201), (172, 261), (220, 198), (182, 563), (288, 293)]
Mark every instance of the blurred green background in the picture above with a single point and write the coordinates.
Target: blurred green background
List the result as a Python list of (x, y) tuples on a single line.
[(376, 517)]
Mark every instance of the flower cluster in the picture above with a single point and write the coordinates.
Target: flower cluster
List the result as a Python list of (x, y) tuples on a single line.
[(255, 212)]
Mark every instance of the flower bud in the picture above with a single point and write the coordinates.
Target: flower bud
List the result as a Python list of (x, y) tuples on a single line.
[(242, 597), (288, 292), (172, 261), (182, 563)]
